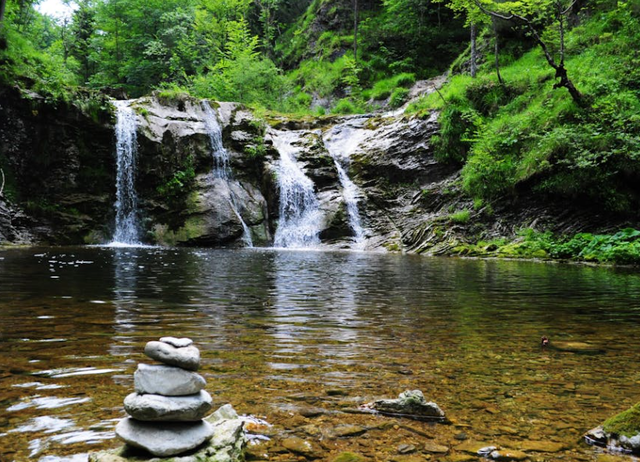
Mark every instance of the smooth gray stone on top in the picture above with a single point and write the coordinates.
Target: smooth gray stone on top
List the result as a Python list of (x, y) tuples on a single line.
[(168, 439), (186, 358), (167, 380), (158, 408), (177, 342)]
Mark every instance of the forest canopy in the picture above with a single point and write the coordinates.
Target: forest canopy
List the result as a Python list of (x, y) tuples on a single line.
[(280, 54)]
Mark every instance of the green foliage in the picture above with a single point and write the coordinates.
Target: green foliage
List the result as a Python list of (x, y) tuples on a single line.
[(171, 93), (177, 184), (622, 247), (460, 217), (627, 423), (345, 106), (529, 135), (398, 97), (384, 88)]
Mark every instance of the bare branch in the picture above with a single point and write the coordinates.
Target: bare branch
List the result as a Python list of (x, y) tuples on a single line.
[(2, 185), (569, 7)]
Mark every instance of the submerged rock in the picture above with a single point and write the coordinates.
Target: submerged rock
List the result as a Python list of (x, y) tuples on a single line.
[(158, 408), (170, 439), (303, 447), (409, 404), (575, 347), (507, 455), (186, 358), (167, 380)]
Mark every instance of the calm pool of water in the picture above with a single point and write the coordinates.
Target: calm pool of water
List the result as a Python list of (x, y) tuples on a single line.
[(279, 329)]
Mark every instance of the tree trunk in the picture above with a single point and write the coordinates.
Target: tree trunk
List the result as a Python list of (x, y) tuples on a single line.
[(474, 52), (3, 5), (496, 51), (355, 30)]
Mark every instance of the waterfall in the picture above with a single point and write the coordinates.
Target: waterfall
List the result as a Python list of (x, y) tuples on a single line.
[(300, 216), (220, 155), (221, 167), (126, 198), (341, 141)]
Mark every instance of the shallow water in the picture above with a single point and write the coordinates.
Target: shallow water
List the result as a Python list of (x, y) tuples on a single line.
[(279, 329)]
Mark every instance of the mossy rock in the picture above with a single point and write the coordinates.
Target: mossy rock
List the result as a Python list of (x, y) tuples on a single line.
[(348, 457), (627, 423)]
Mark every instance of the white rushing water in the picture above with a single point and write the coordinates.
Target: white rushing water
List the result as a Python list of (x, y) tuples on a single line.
[(126, 205), (221, 167), (341, 141), (300, 216), (220, 155)]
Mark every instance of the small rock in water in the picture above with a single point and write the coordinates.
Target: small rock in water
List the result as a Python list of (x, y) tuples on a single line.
[(226, 412), (406, 449), (347, 430), (158, 408), (410, 404), (167, 380), (185, 357), (541, 446), (177, 342), (435, 448), (170, 439), (507, 455), (575, 347), (303, 447)]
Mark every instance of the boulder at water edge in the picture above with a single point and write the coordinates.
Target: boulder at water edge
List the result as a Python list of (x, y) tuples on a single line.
[(621, 431), (167, 380), (185, 357), (168, 440), (410, 404), (158, 408)]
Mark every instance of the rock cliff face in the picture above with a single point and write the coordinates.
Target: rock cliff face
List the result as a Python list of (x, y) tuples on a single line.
[(61, 165), (60, 169)]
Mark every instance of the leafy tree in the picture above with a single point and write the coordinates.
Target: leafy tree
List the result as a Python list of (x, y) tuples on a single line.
[(83, 28), (535, 15)]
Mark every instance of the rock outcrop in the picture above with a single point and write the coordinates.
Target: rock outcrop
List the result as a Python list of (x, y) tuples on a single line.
[(620, 433), (60, 169)]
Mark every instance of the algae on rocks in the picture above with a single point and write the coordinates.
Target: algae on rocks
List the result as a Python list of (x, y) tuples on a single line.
[(411, 403), (620, 432)]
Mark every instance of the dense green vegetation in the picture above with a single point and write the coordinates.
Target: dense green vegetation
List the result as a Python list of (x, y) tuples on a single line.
[(620, 248), (526, 135), (285, 55)]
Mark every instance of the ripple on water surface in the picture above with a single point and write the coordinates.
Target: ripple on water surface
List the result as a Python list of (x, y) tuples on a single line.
[(283, 334)]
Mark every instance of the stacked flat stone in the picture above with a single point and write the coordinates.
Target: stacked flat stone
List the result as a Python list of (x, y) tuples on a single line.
[(167, 409)]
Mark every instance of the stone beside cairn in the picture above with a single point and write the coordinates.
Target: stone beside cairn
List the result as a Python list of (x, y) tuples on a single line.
[(167, 409)]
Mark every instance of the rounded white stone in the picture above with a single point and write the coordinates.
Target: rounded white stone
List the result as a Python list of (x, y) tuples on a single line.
[(168, 439), (167, 380)]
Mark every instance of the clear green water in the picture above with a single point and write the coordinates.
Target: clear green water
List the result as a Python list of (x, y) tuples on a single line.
[(279, 329)]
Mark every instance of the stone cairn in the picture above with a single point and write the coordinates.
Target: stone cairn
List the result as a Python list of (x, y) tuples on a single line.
[(167, 409)]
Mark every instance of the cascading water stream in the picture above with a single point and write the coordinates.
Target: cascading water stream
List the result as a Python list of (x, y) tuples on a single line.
[(221, 167), (220, 155), (126, 232), (341, 141), (300, 216)]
